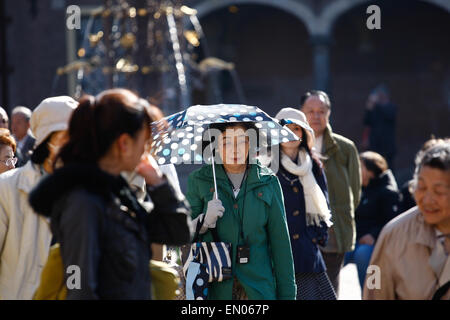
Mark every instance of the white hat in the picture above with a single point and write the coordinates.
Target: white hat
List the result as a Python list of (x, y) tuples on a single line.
[(51, 115), (297, 117)]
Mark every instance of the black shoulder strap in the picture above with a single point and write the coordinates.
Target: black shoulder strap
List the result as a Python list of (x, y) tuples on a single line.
[(215, 235), (199, 238), (197, 230), (441, 291)]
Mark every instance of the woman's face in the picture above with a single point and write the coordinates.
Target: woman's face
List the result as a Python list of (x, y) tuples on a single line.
[(317, 113), (56, 142), (366, 175), (432, 195), (295, 128), (6, 152), (233, 145)]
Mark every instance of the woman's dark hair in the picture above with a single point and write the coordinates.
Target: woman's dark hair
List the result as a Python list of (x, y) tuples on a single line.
[(98, 121), (374, 162), (41, 152), (304, 142), (225, 125), (222, 127)]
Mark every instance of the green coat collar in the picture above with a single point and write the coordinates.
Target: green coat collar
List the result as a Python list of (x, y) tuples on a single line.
[(330, 145), (257, 176)]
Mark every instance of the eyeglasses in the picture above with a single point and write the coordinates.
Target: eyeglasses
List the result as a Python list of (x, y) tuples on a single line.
[(9, 162)]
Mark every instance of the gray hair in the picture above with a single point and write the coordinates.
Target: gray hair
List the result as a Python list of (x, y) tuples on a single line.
[(22, 110), (322, 95), (3, 114), (437, 156)]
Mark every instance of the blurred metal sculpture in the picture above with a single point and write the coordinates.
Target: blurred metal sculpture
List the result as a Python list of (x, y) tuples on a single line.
[(146, 46)]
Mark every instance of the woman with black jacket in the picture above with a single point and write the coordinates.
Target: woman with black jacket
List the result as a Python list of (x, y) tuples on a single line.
[(379, 204), (102, 228)]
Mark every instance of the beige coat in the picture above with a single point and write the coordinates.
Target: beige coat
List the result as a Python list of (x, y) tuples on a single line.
[(412, 264), (24, 236)]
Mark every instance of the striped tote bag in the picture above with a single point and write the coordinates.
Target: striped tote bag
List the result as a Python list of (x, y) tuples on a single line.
[(216, 256)]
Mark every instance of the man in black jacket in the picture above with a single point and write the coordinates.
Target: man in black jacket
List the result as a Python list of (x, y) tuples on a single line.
[(20, 127)]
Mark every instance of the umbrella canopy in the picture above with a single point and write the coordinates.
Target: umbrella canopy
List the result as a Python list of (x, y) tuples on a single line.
[(178, 138)]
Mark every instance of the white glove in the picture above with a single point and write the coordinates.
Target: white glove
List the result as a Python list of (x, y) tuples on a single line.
[(214, 211)]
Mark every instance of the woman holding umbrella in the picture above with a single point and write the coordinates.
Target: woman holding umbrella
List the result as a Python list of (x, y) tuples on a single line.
[(305, 194), (249, 213)]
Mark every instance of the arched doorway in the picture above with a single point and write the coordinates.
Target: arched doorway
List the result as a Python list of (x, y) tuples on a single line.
[(410, 55), (271, 52)]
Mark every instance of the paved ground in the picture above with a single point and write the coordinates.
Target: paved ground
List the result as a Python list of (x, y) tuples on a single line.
[(349, 288)]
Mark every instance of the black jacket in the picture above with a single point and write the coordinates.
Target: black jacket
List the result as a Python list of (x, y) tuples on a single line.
[(104, 231), (24, 154), (407, 200), (305, 240), (379, 204)]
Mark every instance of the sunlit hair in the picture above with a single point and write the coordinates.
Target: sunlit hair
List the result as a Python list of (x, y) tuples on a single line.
[(6, 139), (98, 121), (374, 162), (26, 112), (223, 127), (437, 157), (323, 96)]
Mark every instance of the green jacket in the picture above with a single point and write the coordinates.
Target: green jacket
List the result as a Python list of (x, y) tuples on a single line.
[(270, 271), (343, 173)]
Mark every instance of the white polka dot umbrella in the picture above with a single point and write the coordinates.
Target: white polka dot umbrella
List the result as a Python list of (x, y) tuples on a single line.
[(178, 138)]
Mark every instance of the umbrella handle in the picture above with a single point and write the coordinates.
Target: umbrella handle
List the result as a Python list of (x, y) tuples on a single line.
[(213, 166)]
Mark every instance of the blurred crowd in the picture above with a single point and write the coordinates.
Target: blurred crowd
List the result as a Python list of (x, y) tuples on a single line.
[(80, 185)]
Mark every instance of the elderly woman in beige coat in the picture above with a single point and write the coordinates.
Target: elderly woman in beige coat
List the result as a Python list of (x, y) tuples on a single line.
[(411, 260), (25, 236)]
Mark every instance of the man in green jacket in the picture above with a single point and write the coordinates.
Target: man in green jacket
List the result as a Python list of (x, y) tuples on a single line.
[(343, 173)]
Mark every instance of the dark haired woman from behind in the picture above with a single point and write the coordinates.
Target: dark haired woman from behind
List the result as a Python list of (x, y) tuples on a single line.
[(379, 204), (308, 215), (95, 216)]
